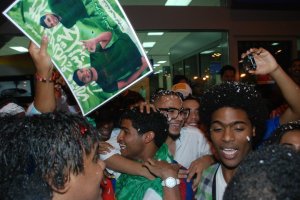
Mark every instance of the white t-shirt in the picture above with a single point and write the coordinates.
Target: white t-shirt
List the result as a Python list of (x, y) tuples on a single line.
[(190, 146), (112, 141), (220, 184)]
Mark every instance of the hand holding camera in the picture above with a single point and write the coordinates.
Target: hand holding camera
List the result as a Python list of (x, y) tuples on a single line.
[(259, 61), (249, 62)]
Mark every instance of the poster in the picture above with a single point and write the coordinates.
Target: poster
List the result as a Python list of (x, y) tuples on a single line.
[(92, 44)]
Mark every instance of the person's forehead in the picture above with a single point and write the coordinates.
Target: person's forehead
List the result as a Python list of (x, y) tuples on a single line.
[(126, 123), (191, 103), (167, 101), (228, 115), (292, 134)]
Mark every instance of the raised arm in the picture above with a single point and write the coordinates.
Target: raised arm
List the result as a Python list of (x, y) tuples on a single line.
[(44, 100), (266, 64), (103, 39)]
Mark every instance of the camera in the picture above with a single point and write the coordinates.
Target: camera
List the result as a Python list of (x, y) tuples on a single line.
[(249, 62)]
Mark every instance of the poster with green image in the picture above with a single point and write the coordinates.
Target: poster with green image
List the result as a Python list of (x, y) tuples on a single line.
[(92, 44)]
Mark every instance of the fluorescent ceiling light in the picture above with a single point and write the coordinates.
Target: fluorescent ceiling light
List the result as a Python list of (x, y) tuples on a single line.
[(162, 61), (178, 2), (148, 44), (155, 33), (159, 71), (156, 65), (275, 43), (207, 52), (19, 49)]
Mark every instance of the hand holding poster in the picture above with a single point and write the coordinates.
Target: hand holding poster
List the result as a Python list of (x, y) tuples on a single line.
[(92, 44)]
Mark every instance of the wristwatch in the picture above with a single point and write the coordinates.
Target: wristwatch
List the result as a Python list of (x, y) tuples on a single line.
[(170, 182)]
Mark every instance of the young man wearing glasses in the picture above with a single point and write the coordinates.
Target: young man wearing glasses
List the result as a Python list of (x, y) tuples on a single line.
[(188, 146)]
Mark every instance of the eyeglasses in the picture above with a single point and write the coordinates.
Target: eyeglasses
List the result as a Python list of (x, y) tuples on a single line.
[(173, 113)]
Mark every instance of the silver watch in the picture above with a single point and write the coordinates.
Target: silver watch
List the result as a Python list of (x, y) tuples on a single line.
[(170, 182)]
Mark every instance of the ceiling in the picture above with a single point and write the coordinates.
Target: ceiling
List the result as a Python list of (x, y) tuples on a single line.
[(178, 44)]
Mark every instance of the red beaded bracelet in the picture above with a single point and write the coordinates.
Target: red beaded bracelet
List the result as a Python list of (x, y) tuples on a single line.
[(43, 79)]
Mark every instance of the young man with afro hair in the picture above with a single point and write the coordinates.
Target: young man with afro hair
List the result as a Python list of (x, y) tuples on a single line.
[(235, 116)]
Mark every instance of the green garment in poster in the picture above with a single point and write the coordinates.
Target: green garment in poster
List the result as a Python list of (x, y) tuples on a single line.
[(116, 62), (88, 15), (130, 187)]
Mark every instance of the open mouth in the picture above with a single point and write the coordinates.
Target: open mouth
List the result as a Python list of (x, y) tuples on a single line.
[(193, 124), (229, 153), (122, 146)]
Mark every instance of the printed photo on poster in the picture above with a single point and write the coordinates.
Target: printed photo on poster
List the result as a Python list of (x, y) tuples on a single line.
[(92, 45)]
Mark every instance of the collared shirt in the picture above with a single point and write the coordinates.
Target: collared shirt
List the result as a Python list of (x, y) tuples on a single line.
[(205, 188)]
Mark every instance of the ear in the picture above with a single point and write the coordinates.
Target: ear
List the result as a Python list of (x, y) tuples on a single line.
[(61, 190), (148, 137)]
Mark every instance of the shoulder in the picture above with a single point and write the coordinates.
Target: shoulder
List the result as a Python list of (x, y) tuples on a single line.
[(210, 171), (271, 125), (192, 133), (204, 190), (208, 176), (115, 132), (191, 130)]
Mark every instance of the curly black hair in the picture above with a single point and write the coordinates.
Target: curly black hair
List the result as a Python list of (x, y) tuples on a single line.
[(236, 95), (271, 172), (50, 146), (160, 93), (281, 130), (144, 122)]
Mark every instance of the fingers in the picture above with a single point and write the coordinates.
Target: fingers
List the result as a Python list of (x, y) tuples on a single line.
[(32, 47), (104, 148), (196, 181), (254, 51), (151, 161), (182, 173), (44, 44), (191, 175), (148, 165)]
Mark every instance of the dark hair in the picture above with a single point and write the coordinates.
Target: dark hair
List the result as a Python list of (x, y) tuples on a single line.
[(236, 95), (271, 172), (281, 130), (191, 97), (76, 78), (42, 19), (14, 150), (104, 114), (227, 68), (144, 122), (49, 146)]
